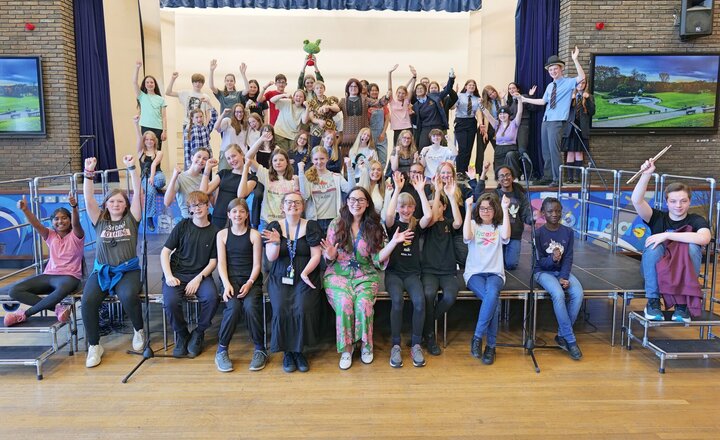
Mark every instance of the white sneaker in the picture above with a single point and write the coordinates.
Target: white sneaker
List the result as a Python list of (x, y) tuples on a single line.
[(367, 356), (345, 361), (94, 356), (138, 340)]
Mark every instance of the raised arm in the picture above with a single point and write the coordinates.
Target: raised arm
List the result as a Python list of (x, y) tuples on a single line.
[(418, 183), (245, 187), (171, 187), (171, 83), (136, 78), (77, 228), (450, 189), (136, 202), (641, 205), (305, 184), (261, 96), (397, 238), (34, 222), (243, 75), (252, 151), (411, 83), (399, 180), (223, 121), (519, 111), (211, 77), (390, 72), (467, 224), (91, 205), (138, 136), (207, 186), (580, 72), (505, 227)]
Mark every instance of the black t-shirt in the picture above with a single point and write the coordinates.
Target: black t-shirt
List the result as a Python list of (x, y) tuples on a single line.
[(227, 191), (405, 258), (660, 222), (194, 247), (438, 254)]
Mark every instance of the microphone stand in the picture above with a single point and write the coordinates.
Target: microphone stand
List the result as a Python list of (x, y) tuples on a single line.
[(577, 132), (529, 342), (147, 352), (85, 139)]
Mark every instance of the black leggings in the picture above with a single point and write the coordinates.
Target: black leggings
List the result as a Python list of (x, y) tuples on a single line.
[(450, 287), (396, 285), (127, 290), (54, 287)]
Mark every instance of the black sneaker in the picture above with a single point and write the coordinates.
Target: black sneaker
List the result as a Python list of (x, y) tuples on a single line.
[(574, 351), (476, 347), (653, 311), (301, 362), (488, 357), (195, 345), (432, 346), (681, 313), (289, 362), (561, 342), (541, 182), (553, 184), (181, 344), (150, 224)]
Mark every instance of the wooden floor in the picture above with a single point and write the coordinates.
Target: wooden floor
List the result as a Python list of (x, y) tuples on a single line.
[(610, 393)]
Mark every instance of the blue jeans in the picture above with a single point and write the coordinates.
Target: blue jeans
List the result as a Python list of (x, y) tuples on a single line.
[(566, 309), (486, 286), (511, 254), (652, 256)]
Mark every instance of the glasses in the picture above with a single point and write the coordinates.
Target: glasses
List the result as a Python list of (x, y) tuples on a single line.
[(504, 176), (484, 209), (198, 205), (293, 202), (354, 201), (352, 86)]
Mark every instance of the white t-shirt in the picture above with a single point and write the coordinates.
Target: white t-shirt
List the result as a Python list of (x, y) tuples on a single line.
[(190, 100), (434, 156), (368, 154), (485, 252), (230, 136)]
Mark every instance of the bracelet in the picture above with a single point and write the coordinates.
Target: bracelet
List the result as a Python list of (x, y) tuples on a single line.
[(74, 206), (89, 175), (131, 168)]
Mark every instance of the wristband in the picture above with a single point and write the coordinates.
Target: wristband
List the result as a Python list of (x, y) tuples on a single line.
[(74, 206), (131, 168)]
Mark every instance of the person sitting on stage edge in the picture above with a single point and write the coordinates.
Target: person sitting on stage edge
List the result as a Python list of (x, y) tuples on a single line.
[(188, 273), (665, 226), (557, 100), (117, 268), (554, 247), (63, 272)]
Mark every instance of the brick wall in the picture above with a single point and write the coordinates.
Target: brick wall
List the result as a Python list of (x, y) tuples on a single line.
[(53, 39), (639, 26)]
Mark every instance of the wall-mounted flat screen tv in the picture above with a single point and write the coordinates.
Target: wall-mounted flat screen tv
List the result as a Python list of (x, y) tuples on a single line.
[(22, 113), (655, 93)]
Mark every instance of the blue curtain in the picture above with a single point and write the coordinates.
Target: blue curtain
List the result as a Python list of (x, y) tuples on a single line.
[(358, 5), (537, 28), (93, 83)]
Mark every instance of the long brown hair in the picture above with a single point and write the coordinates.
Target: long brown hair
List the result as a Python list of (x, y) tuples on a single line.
[(372, 231), (190, 123), (237, 124), (412, 149), (335, 155), (272, 172)]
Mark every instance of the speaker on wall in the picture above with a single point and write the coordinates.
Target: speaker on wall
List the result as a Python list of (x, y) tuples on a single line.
[(696, 18)]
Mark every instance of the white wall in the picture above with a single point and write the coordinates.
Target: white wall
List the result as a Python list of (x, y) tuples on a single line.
[(478, 45)]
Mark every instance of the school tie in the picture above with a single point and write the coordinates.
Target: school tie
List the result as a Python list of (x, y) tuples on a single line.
[(553, 95), (469, 106), (497, 107)]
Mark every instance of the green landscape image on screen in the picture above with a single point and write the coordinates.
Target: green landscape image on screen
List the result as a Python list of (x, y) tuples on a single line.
[(19, 96), (663, 91)]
